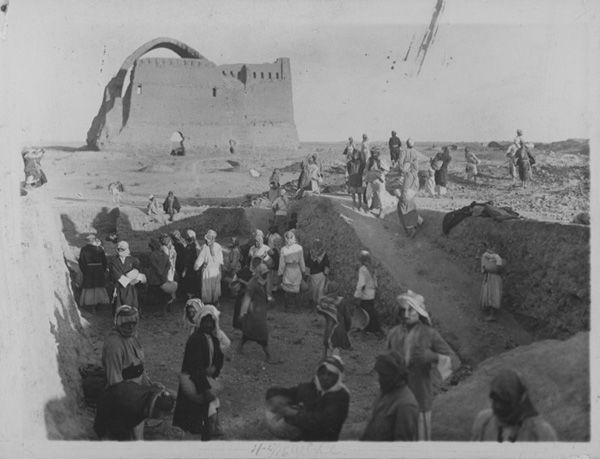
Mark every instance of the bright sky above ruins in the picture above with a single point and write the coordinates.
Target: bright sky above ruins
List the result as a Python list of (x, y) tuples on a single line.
[(494, 65)]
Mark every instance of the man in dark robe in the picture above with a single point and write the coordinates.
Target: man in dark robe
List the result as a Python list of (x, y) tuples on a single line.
[(395, 414)]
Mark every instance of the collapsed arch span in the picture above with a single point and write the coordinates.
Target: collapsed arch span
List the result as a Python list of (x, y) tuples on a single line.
[(114, 88)]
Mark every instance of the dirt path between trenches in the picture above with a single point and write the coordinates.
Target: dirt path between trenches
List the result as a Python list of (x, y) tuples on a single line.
[(451, 294)]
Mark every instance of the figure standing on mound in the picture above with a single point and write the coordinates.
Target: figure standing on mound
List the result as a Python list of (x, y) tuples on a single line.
[(394, 144), (395, 414), (525, 161), (471, 166), (116, 189), (512, 416), (93, 265), (291, 268), (124, 273), (198, 388), (365, 152), (349, 149), (123, 356), (441, 174), (407, 193), (366, 288), (511, 159), (423, 350), (318, 409), (153, 209), (253, 309), (492, 266), (210, 261), (375, 178), (355, 168), (274, 185), (171, 205), (338, 320)]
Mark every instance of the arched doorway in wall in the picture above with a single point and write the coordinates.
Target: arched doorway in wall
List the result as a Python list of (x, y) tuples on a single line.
[(177, 148)]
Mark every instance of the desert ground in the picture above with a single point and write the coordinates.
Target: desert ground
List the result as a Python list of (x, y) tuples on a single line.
[(212, 188)]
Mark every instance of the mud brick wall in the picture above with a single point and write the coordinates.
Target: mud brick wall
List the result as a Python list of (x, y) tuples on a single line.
[(547, 278)]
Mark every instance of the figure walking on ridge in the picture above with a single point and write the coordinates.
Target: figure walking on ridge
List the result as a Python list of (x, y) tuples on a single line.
[(441, 172), (354, 178), (395, 144), (471, 166), (407, 193)]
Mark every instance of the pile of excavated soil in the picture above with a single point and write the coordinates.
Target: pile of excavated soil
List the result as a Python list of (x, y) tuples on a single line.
[(547, 278), (557, 376), (318, 218)]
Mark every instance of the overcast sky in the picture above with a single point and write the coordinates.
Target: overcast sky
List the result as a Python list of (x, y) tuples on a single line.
[(494, 66)]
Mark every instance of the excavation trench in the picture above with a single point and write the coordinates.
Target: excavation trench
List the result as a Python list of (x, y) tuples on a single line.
[(445, 276)]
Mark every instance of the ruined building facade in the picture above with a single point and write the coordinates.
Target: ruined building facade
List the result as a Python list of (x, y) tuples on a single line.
[(211, 105)]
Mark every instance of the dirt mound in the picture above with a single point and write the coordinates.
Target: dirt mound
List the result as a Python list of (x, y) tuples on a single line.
[(557, 374), (133, 226), (498, 145), (567, 146), (547, 282), (317, 218)]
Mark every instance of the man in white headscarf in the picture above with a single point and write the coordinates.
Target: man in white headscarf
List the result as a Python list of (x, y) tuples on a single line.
[(423, 349), (210, 260)]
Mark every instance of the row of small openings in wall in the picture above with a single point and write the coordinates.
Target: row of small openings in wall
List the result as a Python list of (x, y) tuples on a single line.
[(262, 75)]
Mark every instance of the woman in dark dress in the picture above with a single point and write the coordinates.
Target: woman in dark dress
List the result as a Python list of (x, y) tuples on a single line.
[(253, 310), (202, 362), (92, 262), (441, 175)]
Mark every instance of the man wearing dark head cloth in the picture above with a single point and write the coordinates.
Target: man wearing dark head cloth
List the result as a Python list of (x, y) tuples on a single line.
[(318, 408), (512, 416), (395, 144), (395, 415)]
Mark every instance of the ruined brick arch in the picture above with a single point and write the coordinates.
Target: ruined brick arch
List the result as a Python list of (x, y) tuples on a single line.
[(181, 49), (114, 88)]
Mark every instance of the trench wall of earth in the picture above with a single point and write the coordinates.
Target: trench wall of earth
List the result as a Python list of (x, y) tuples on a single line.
[(546, 284)]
